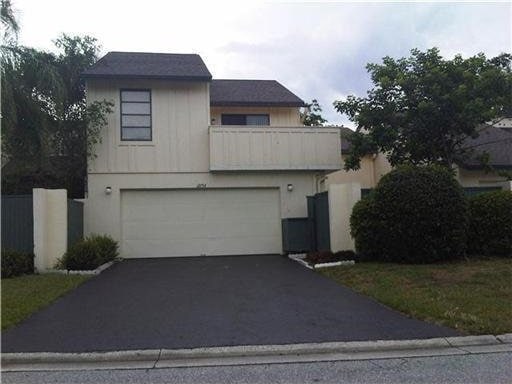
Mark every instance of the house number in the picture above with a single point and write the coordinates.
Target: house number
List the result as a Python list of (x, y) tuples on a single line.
[(201, 186)]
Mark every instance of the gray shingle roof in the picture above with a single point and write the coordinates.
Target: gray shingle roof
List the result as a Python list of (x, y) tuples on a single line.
[(252, 93), (170, 66), (497, 142)]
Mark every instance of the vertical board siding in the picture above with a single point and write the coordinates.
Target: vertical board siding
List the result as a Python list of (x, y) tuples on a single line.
[(274, 148), (75, 221), (18, 223)]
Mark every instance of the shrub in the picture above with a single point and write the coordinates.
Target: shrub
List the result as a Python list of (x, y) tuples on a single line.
[(106, 247), (490, 224), (320, 257), (89, 253), (16, 263), (414, 215)]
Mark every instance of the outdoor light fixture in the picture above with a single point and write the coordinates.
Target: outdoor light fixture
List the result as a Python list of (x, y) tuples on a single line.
[(108, 190), (290, 187)]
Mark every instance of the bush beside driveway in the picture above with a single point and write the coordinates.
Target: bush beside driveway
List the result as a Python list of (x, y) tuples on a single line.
[(472, 296)]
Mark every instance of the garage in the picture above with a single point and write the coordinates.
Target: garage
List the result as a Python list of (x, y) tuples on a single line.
[(184, 222)]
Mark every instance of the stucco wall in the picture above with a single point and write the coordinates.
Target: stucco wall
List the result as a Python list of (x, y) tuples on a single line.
[(180, 119), (279, 116), (103, 212), (372, 169)]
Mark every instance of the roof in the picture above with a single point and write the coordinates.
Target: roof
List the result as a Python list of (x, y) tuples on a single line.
[(252, 93), (497, 142), (170, 66)]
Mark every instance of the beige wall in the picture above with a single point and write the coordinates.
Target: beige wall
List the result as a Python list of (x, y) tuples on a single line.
[(50, 227), (372, 169), (279, 116), (478, 178), (180, 119), (103, 212)]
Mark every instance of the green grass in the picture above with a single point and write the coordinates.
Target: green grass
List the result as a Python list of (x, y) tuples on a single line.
[(472, 296), (24, 295)]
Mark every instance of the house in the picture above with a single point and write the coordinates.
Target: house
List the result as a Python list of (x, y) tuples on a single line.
[(495, 139), (191, 166)]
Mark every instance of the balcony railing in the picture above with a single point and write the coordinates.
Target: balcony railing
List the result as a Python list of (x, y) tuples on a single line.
[(234, 148)]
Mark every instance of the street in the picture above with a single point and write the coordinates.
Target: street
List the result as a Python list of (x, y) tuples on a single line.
[(477, 368)]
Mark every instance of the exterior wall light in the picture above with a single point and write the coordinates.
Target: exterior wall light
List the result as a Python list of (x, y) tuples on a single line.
[(289, 187), (108, 190)]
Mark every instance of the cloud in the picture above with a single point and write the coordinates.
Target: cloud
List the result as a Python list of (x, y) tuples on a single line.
[(318, 50)]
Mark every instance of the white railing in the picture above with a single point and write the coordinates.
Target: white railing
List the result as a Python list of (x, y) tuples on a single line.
[(274, 148)]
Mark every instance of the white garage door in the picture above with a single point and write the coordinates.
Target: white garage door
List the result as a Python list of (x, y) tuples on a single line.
[(162, 223)]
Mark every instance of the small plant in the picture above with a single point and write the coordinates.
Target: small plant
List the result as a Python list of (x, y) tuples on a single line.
[(89, 253), (490, 224), (16, 263), (320, 257)]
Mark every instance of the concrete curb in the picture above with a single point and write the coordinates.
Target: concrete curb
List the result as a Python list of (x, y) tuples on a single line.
[(256, 354)]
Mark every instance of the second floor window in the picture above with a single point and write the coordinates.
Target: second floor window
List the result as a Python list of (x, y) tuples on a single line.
[(136, 115), (240, 119)]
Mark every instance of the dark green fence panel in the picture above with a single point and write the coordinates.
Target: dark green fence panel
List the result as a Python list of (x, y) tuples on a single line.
[(296, 235), (18, 223), (472, 191), (318, 215), (75, 221), (365, 191)]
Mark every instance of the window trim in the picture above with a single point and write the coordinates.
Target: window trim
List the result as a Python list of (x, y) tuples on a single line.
[(245, 114), (121, 90)]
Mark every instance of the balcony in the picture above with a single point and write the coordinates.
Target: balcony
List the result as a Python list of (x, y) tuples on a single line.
[(258, 148)]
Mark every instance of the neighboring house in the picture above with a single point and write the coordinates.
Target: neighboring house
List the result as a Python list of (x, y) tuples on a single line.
[(192, 166), (495, 140)]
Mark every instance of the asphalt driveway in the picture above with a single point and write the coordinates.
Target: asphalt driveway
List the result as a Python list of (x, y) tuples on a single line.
[(209, 301)]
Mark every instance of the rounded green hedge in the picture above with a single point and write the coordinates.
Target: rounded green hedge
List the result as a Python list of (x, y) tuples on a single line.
[(16, 263), (490, 225), (414, 215)]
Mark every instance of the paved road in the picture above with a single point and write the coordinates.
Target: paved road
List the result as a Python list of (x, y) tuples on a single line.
[(209, 301), (485, 368)]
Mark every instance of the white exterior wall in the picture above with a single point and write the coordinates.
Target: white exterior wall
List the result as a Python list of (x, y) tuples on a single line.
[(279, 116), (50, 226), (342, 198), (103, 212), (180, 120)]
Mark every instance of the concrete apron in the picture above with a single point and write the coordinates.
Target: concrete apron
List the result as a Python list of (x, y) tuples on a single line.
[(259, 354)]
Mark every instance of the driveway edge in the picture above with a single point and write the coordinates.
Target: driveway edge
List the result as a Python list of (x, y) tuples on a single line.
[(256, 354)]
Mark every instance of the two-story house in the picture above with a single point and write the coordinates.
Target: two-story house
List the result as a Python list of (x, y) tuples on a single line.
[(191, 166)]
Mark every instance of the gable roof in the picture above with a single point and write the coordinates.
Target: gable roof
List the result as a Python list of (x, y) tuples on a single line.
[(497, 142), (252, 93), (169, 66)]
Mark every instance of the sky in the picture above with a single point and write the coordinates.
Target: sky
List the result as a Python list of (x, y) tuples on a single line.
[(316, 49)]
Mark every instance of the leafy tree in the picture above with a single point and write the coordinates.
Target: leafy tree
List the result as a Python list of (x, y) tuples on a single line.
[(422, 108), (311, 115), (48, 130)]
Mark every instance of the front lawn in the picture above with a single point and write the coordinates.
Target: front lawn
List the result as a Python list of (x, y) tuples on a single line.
[(24, 295), (473, 296)]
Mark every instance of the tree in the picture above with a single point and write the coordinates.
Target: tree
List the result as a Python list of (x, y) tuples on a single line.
[(423, 108), (48, 130), (311, 115), (9, 22)]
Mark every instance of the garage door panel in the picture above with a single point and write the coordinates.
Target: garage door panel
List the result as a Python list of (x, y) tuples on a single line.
[(163, 223)]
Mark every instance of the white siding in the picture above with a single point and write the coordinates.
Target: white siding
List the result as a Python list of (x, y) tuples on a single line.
[(274, 148), (180, 118)]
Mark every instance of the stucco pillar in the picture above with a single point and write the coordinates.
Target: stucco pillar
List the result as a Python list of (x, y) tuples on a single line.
[(50, 226), (342, 198)]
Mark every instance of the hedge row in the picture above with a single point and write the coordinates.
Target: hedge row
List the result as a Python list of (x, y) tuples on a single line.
[(420, 215)]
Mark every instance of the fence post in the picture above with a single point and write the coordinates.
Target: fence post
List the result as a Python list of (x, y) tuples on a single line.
[(50, 226), (342, 198)]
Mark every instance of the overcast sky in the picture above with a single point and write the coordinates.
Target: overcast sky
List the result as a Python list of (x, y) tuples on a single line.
[(316, 49)]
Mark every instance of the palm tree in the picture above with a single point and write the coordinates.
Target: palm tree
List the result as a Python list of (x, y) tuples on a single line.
[(9, 22)]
